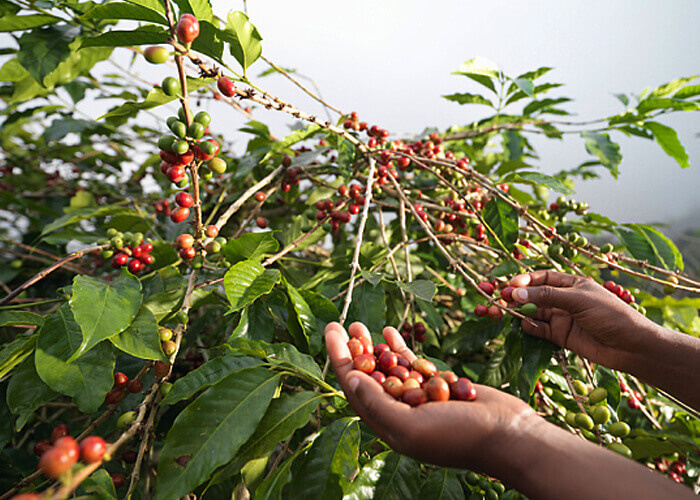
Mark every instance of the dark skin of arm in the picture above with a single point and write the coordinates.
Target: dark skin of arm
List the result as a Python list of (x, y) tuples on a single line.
[(498, 434)]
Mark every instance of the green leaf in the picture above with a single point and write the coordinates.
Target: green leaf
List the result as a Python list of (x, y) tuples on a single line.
[(472, 335), (503, 221), (281, 354), (301, 322), (442, 484), (284, 415), (250, 246), (364, 484), (141, 338), (88, 379), (23, 402), (664, 249), (606, 378), (42, 50), (75, 216), (246, 281), (243, 38), (15, 352), (99, 484), (256, 323), (478, 66), (536, 178), (607, 151), (209, 41), (329, 464), (497, 369), (21, 23), (637, 245), (669, 142), (205, 376), (543, 104), (147, 35), (297, 136), (212, 428), (271, 488), (537, 354), (368, 306), (526, 85), (467, 98), (398, 478), (423, 289), (323, 309), (103, 309), (164, 304), (671, 87), (649, 447), (6, 419), (688, 91), (121, 10), (201, 9), (8, 318)]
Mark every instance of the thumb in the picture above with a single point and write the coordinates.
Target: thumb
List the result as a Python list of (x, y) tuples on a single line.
[(547, 296), (377, 408)]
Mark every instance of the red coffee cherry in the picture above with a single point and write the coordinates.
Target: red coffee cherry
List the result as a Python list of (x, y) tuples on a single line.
[(211, 231), (365, 363), (495, 312), (410, 383), (180, 214), (135, 266), (176, 173), (463, 390), (425, 367), (115, 396), (380, 348), (118, 479), (134, 386), (378, 376), (146, 259), (416, 376), (286, 162), (59, 431), (129, 456), (481, 310), (419, 329), (226, 87), (55, 462), (119, 260), (161, 369), (187, 253), (449, 377), (400, 372), (70, 446), (261, 222), (184, 199), (386, 361), (507, 293), (367, 344), (404, 362), (355, 347), (486, 287), (393, 386), (609, 285), (437, 389), (120, 380), (92, 449), (187, 28), (41, 447), (260, 196), (184, 240), (415, 397), (633, 403)]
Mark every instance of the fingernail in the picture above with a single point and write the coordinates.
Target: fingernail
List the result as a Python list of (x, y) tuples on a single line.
[(353, 383), (520, 294)]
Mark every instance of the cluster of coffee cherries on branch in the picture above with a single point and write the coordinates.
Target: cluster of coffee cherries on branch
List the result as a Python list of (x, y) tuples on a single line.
[(674, 468), (417, 331), (493, 310), (127, 249), (562, 206), (56, 457), (634, 398), (121, 388), (413, 383), (487, 488), (376, 134), (187, 245), (625, 295)]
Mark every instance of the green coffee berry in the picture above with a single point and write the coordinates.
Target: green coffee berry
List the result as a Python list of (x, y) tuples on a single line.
[(619, 429), (597, 395)]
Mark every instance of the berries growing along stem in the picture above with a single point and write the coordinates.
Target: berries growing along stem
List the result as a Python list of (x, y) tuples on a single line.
[(226, 86), (187, 28)]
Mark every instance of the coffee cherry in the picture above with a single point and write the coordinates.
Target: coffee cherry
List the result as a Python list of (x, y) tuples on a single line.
[(670, 288), (621, 449), (184, 199), (226, 86), (217, 165), (161, 369), (129, 456), (400, 372), (449, 377), (165, 334), (415, 397), (416, 376), (41, 447), (126, 419), (135, 266), (120, 380), (195, 130), (633, 403), (570, 418), (600, 414), (495, 312), (355, 347), (115, 396), (180, 214), (528, 310), (437, 389), (146, 259), (70, 446), (393, 386), (211, 231), (213, 247), (165, 389), (419, 329), (463, 390), (404, 362), (381, 348), (59, 431), (386, 361), (92, 449), (365, 363), (184, 240), (187, 28), (176, 173), (597, 395), (619, 429), (481, 310), (187, 253), (261, 222), (169, 347), (378, 376), (118, 479), (134, 386), (580, 387), (170, 86), (486, 287), (260, 196), (410, 383), (286, 162), (55, 462), (584, 421), (425, 367)]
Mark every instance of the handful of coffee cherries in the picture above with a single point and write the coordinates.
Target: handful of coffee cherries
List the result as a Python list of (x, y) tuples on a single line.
[(413, 383)]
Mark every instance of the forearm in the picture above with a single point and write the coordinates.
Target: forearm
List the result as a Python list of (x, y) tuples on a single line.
[(546, 462), (669, 360)]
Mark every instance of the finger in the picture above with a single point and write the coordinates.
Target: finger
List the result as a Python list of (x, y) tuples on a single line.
[(544, 277), (387, 416), (548, 296), (358, 330), (337, 347), (397, 344)]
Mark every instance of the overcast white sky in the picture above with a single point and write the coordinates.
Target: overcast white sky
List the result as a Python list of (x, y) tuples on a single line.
[(391, 61)]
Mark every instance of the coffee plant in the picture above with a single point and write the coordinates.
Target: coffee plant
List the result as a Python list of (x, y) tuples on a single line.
[(166, 296)]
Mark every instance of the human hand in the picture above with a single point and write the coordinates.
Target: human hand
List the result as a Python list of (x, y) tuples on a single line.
[(580, 315), (458, 434)]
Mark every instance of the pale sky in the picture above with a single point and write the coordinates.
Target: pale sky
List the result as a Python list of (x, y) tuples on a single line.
[(391, 61)]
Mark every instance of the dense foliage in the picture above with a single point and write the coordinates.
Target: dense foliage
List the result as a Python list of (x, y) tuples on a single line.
[(200, 358)]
